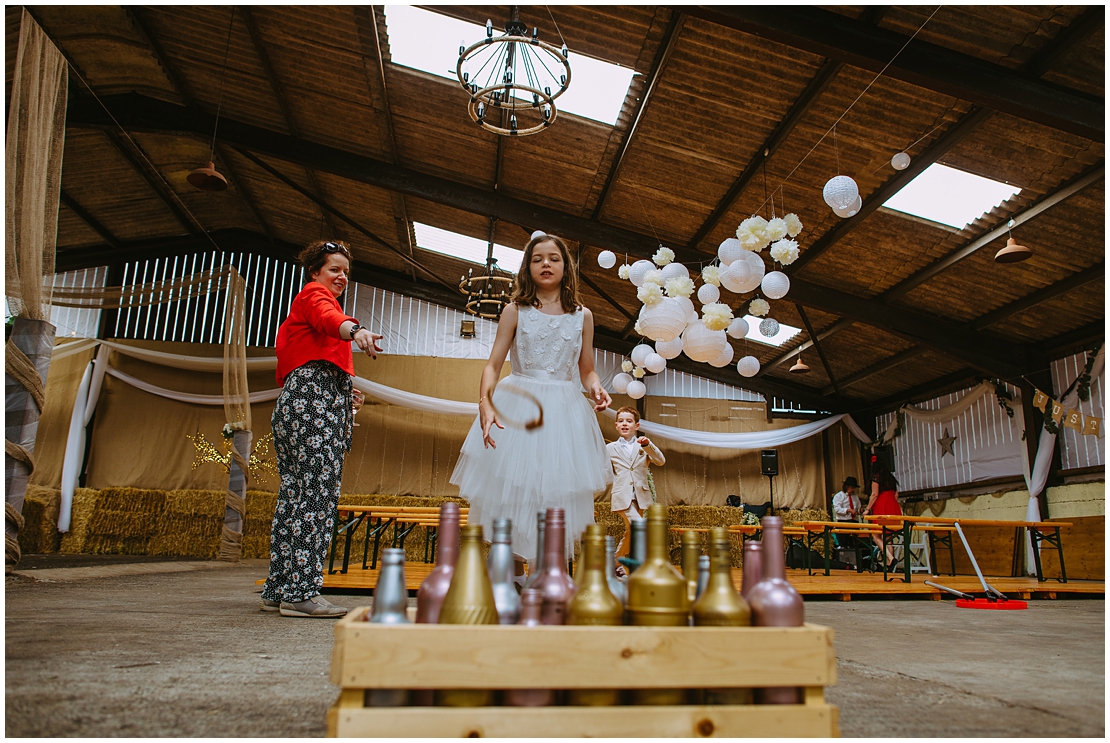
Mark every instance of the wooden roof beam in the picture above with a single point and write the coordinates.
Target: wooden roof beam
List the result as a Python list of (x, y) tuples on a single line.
[(1093, 19), (1063, 286), (948, 383), (88, 219), (812, 92), (879, 367), (921, 63), (820, 351)]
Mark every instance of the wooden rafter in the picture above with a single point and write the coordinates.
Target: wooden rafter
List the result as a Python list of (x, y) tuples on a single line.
[(820, 351), (90, 220), (879, 367), (921, 63)]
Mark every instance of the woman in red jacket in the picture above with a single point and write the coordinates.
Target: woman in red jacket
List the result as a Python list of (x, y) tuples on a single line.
[(312, 430)]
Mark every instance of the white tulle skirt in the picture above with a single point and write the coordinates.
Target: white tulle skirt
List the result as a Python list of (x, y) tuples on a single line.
[(562, 464)]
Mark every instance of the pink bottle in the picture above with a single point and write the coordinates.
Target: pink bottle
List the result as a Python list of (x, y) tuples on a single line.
[(775, 603), (557, 587), (429, 599), (531, 604)]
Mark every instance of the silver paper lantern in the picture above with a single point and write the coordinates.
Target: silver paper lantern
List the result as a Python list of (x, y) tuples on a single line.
[(748, 366), (606, 259), (769, 327), (840, 192)]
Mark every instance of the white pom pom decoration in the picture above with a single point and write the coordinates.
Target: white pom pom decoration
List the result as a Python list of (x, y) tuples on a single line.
[(736, 275), (606, 259), (702, 344), (537, 233), (636, 389), (901, 161), (775, 285), (688, 306), (674, 271), (655, 363), (748, 366), (669, 349), (738, 328), (621, 382), (851, 211), (663, 321), (730, 251), (725, 358), (708, 294), (640, 353), (769, 327), (840, 192), (639, 270)]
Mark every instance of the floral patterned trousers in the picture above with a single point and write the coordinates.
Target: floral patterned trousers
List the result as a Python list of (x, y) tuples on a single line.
[(312, 434)]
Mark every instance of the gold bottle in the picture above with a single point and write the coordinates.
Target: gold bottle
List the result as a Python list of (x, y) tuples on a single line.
[(691, 551), (721, 606), (657, 598), (594, 604), (469, 600)]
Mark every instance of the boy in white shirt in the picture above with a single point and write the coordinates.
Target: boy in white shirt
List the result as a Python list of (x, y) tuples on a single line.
[(630, 455)]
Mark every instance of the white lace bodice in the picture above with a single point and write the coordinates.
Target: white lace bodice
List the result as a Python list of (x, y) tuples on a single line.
[(547, 346)]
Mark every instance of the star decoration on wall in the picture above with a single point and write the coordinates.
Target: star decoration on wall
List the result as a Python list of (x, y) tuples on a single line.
[(946, 444)]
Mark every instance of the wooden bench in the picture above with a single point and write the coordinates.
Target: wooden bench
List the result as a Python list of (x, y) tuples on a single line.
[(1039, 531), (378, 520)]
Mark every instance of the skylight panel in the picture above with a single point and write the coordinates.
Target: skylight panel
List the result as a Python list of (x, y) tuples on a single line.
[(950, 196), (786, 332), (466, 248), (428, 41)]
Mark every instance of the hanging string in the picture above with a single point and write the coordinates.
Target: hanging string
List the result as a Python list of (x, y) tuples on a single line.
[(223, 76), (556, 25), (836, 150), (647, 218)]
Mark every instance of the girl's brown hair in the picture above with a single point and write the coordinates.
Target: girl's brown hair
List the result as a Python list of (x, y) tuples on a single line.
[(315, 255), (525, 292)]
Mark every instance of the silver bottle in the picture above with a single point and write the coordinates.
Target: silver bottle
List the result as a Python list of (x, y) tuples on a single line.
[(703, 574), (616, 585), (534, 568), (638, 549), (500, 565), (390, 607)]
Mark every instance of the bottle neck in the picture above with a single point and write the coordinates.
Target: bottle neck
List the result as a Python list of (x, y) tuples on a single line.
[(554, 553), (541, 541), (720, 563), (774, 562), (447, 551), (657, 540), (594, 559), (390, 595), (500, 563)]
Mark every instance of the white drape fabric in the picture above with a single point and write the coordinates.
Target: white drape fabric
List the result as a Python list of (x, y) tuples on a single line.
[(942, 415)]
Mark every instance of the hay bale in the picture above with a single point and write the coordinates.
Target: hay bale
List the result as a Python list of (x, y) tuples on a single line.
[(190, 524), (40, 514), (85, 502), (124, 521)]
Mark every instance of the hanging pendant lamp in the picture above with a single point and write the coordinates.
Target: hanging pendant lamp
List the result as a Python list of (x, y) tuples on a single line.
[(799, 367), (1012, 253), (207, 178)]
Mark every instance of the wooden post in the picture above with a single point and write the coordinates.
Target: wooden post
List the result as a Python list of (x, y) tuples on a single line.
[(830, 483)]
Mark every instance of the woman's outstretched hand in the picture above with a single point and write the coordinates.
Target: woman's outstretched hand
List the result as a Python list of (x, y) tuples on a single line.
[(600, 397), (368, 342), (489, 420)]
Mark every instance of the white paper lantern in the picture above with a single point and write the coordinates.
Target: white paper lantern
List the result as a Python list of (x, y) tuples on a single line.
[(748, 366), (669, 349), (636, 389), (730, 251), (738, 328), (687, 305), (851, 211), (702, 344), (663, 321), (708, 294), (655, 363), (606, 259), (674, 271), (638, 271), (640, 353), (901, 161), (621, 382), (537, 233), (775, 285), (769, 327), (736, 275), (725, 358), (840, 192), (757, 269)]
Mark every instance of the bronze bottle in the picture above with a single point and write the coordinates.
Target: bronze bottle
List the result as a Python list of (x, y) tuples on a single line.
[(721, 606), (535, 567), (390, 607), (594, 604), (753, 566), (691, 551), (775, 603), (469, 600), (657, 597), (429, 598), (556, 585), (500, 566), (531, 604)]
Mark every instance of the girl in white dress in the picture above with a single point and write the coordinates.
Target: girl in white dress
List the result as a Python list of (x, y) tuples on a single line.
[(511, 472)]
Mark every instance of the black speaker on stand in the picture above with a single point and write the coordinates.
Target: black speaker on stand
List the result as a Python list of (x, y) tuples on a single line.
[(769, 464)]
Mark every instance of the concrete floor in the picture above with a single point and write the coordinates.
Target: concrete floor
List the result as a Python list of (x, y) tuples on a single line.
[(98, 647)]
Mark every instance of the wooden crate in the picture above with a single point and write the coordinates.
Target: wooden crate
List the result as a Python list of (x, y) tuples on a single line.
[(423, 656)]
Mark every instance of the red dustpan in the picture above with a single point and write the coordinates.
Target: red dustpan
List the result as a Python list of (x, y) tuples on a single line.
[(1003, 605), (996, 600)]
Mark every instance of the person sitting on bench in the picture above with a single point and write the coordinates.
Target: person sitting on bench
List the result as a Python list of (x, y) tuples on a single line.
[(846, 504)]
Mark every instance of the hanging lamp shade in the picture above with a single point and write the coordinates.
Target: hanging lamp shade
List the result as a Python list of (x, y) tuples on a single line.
[(799, 367), (1012, 253), (207, 178)]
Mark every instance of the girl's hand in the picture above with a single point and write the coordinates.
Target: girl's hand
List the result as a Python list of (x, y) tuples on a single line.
[(489, 420), (600, 397), (368, 342), (357, 398)]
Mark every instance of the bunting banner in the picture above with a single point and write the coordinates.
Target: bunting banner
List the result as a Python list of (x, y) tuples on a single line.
[(1087, 425), (1040, 400)]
